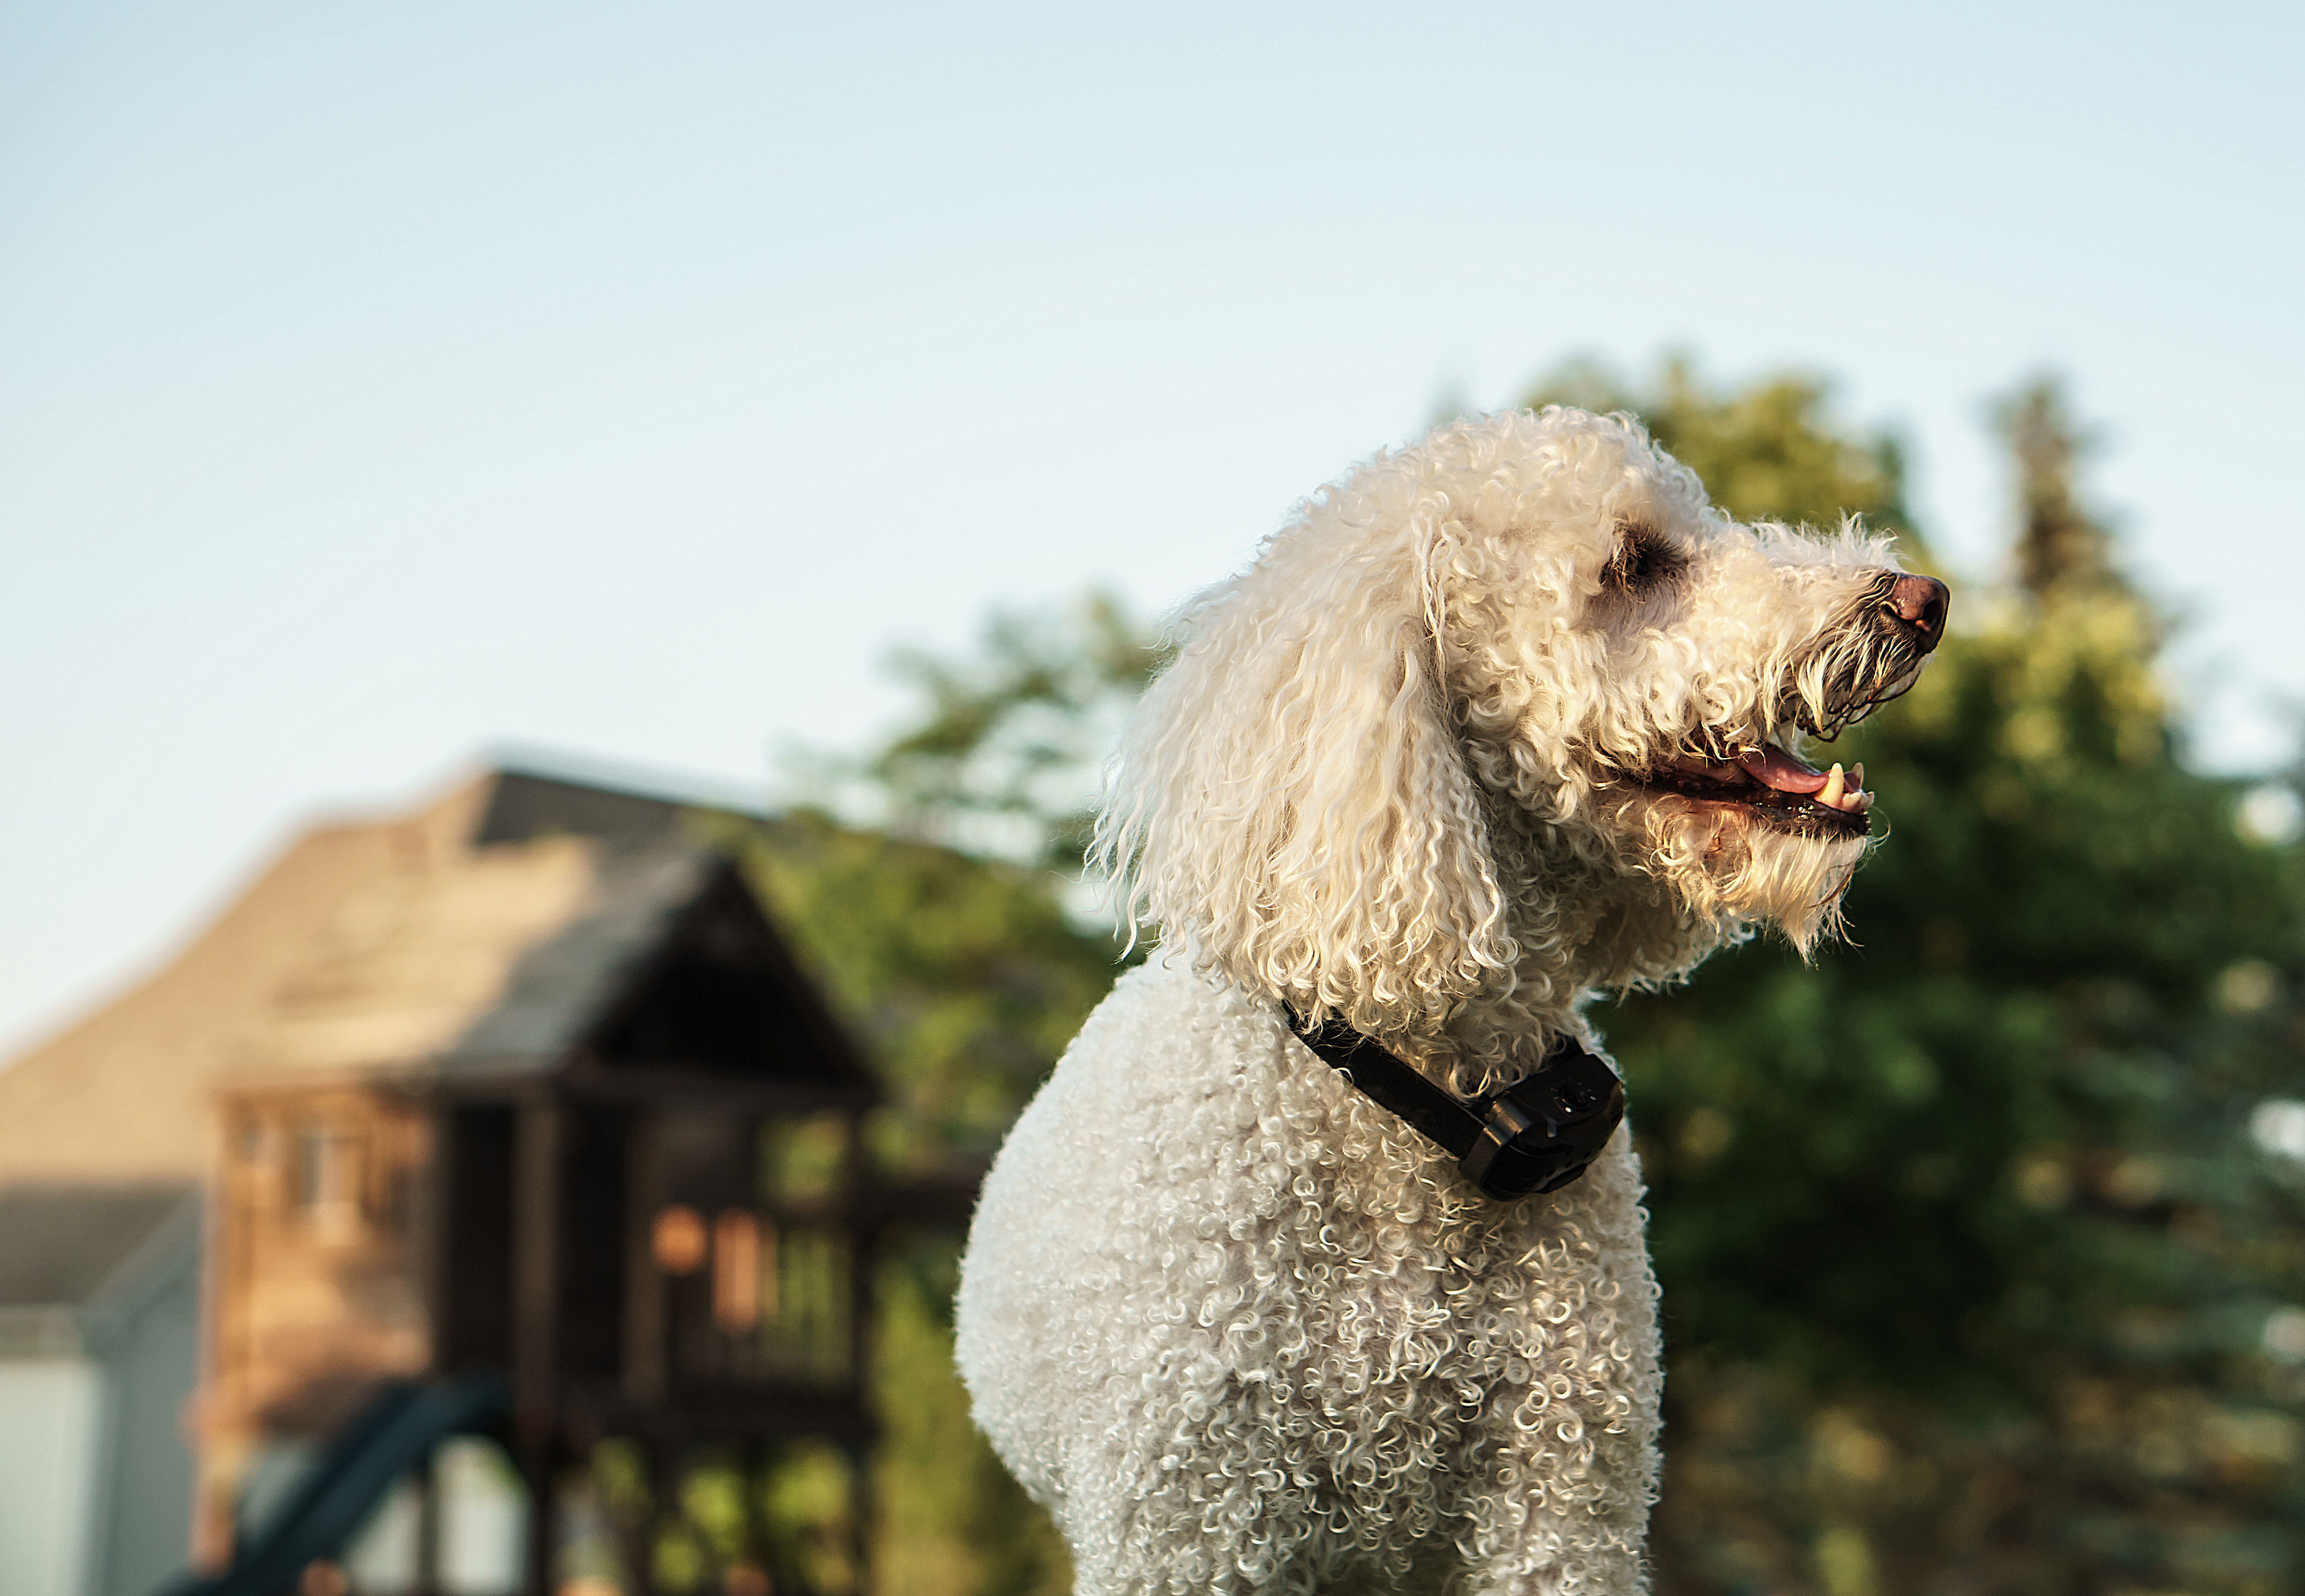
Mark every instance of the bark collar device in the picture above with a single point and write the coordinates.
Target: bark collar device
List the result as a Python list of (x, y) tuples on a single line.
[(1536, 1136)]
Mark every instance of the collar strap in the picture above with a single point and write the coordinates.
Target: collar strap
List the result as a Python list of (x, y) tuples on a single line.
[(1536, 1136)]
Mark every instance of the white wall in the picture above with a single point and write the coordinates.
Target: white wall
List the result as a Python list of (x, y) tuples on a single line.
[(152, 1362), (50, 1414)]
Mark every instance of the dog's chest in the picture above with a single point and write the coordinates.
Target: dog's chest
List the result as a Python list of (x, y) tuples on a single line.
[(1213, 1292), (1291, 1243)]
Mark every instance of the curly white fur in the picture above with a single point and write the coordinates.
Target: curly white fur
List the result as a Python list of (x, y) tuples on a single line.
[(1237, 1326)]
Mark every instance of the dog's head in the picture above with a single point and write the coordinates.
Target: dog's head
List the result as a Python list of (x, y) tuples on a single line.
[(1503, 717)]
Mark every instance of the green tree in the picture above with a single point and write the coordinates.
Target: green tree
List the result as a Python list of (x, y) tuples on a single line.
[(1768, 452), (2060, 546), (1004, 757)]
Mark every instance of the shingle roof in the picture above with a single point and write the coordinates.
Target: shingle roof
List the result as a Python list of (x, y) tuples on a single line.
[(498, 962), (477, 933)]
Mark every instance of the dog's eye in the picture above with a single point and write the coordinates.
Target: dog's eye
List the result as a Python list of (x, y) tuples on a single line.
[(1643, 562)]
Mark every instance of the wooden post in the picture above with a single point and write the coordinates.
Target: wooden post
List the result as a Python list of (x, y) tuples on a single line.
[(432, 1180), (535, 1265), (636, 1538), (752, 1471), (540, 1467), (645, 1370), (860, 1255), (862, 1252), (861, 1506)]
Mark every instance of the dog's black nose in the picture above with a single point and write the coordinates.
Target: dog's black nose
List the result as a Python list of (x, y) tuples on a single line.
[(1918, 605)]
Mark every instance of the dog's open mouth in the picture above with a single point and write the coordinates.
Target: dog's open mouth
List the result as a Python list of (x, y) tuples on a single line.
[(1778, 788)]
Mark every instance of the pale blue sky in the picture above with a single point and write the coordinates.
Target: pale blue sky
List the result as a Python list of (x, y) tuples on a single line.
[(379, 383)]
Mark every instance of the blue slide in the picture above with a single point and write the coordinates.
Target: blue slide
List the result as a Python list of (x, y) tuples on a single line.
[(393, 1434)]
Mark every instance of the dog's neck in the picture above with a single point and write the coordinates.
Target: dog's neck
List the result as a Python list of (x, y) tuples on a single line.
[(1583, 925)]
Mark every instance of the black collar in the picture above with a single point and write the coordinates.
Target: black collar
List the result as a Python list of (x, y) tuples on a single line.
[(1536, 1136)]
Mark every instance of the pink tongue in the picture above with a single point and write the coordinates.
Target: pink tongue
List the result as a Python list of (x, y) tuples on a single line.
[(1772, 767)]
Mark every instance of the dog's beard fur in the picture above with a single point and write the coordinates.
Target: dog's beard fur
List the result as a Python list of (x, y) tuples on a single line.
[(1732, 871), (1731, 868)]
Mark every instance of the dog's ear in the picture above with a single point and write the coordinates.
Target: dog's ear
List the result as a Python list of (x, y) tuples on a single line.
[(1291, 803)]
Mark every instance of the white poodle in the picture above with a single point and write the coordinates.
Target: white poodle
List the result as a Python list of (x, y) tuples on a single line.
[(1496, 723)]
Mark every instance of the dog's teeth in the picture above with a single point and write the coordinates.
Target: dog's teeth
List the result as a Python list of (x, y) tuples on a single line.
[(1857, 776), (1864, 804), (1835, 790)]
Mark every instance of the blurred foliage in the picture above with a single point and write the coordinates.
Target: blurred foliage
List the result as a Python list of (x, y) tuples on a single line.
[(736, 1521), (1004, 761), (1766, 453), (2059, 543), (953, 1521), (1977, 1281)]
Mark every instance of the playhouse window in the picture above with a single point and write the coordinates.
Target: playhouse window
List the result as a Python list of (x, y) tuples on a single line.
[(736, 1277), (327, 1178)]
